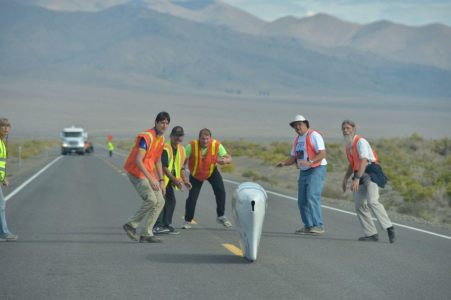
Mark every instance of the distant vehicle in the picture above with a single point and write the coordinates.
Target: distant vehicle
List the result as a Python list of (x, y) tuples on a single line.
[(75, 140)]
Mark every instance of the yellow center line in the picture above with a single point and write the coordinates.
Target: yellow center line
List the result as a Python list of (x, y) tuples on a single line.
[(234, 249)]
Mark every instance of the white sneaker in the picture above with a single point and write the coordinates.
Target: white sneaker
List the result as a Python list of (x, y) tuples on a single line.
[(317, 230), (224, 221), (186, 225)]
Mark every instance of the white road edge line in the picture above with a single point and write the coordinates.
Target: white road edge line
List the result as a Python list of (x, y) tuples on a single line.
[(19, 188), (351, 213)]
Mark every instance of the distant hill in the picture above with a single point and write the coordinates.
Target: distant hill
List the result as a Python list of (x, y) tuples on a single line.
[(133, 45), (426, 45)]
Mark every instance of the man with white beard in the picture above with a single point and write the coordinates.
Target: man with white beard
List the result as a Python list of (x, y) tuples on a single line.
[(365, 191)]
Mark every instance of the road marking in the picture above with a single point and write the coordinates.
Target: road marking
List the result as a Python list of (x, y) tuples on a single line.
[(234, 249), (19, 188), (352, 213)]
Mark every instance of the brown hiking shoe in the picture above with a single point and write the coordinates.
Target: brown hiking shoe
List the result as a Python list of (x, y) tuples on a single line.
[(149, 239), (131, 232)]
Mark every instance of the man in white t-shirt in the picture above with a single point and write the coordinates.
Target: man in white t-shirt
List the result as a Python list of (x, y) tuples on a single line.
[(309, 154), (365, 191)]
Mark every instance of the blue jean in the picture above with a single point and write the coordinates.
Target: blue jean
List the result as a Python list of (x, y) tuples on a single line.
[(310, 186), (3, 227)]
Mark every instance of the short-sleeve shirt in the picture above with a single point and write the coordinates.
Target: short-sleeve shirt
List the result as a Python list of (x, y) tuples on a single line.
[(143, 144), (300, 151), (221, 151), (364, 150)]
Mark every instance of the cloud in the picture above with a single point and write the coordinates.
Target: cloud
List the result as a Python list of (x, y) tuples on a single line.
[(310, 13)]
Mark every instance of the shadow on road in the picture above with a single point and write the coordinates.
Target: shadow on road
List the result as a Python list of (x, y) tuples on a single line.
[(306, 236), (197, 258)]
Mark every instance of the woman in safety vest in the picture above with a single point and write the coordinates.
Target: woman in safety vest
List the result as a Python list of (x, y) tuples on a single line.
[(5, 234), (203, 156), (309, 154)]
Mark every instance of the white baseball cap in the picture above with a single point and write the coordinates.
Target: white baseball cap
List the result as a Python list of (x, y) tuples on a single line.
[(297, 118)]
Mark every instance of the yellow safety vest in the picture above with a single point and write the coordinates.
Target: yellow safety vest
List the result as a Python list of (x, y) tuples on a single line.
[(3, 155), (110, 146), (174, 164)]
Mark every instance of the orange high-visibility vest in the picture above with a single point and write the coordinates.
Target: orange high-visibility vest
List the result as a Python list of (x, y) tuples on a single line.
[(200, 167), (354, 159), (308, 146), (176, 163), (154, 150)]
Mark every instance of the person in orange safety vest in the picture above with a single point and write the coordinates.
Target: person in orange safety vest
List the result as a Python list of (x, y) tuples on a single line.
[(365, 192), (203, 156), (144, 169), (309, 154)]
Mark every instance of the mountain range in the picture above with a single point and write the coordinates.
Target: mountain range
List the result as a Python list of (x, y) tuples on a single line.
[(209, 45)]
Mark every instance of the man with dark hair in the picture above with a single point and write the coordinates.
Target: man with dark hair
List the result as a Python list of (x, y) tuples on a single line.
[(203, 156), (145, 171), (365, 192), (173, 161), (5, 234), (309, 154)]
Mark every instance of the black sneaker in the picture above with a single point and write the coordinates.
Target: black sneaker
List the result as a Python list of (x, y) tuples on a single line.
[(391, 234), (131, 232), (172, 230), (160, 230), (149, 239), (371, 238)]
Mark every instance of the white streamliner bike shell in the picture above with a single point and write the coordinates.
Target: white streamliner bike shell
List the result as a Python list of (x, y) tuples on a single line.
[(249, 204)]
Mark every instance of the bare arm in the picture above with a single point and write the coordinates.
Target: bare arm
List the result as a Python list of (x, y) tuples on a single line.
[(320, 156), (159, 166), (183, 175), (224, 160), (345, 179), (288, 162)]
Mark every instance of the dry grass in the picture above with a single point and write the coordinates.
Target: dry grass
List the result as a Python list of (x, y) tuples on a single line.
[(419, 172)]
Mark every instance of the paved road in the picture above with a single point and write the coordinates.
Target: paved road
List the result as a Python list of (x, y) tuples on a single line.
[(72, 246)]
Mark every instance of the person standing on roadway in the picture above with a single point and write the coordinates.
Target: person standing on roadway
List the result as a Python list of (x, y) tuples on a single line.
[(5, 234), (145, 171), (203, 156), (173, 161), (110, 146), (365, 192), (309, 154)]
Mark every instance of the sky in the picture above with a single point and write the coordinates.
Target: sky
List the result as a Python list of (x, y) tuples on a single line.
[(409, 12)]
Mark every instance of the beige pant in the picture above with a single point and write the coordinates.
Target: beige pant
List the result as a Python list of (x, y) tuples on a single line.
[(366, 199), (153, 203)]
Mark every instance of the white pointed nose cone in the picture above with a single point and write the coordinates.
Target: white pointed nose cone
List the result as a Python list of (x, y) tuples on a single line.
[(249, 207)]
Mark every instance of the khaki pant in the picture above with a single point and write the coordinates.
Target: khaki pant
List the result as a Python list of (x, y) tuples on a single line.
[(366, 199), (153, 203)]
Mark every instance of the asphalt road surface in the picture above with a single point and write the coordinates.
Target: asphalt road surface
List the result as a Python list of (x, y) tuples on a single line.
[(71, 246)]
